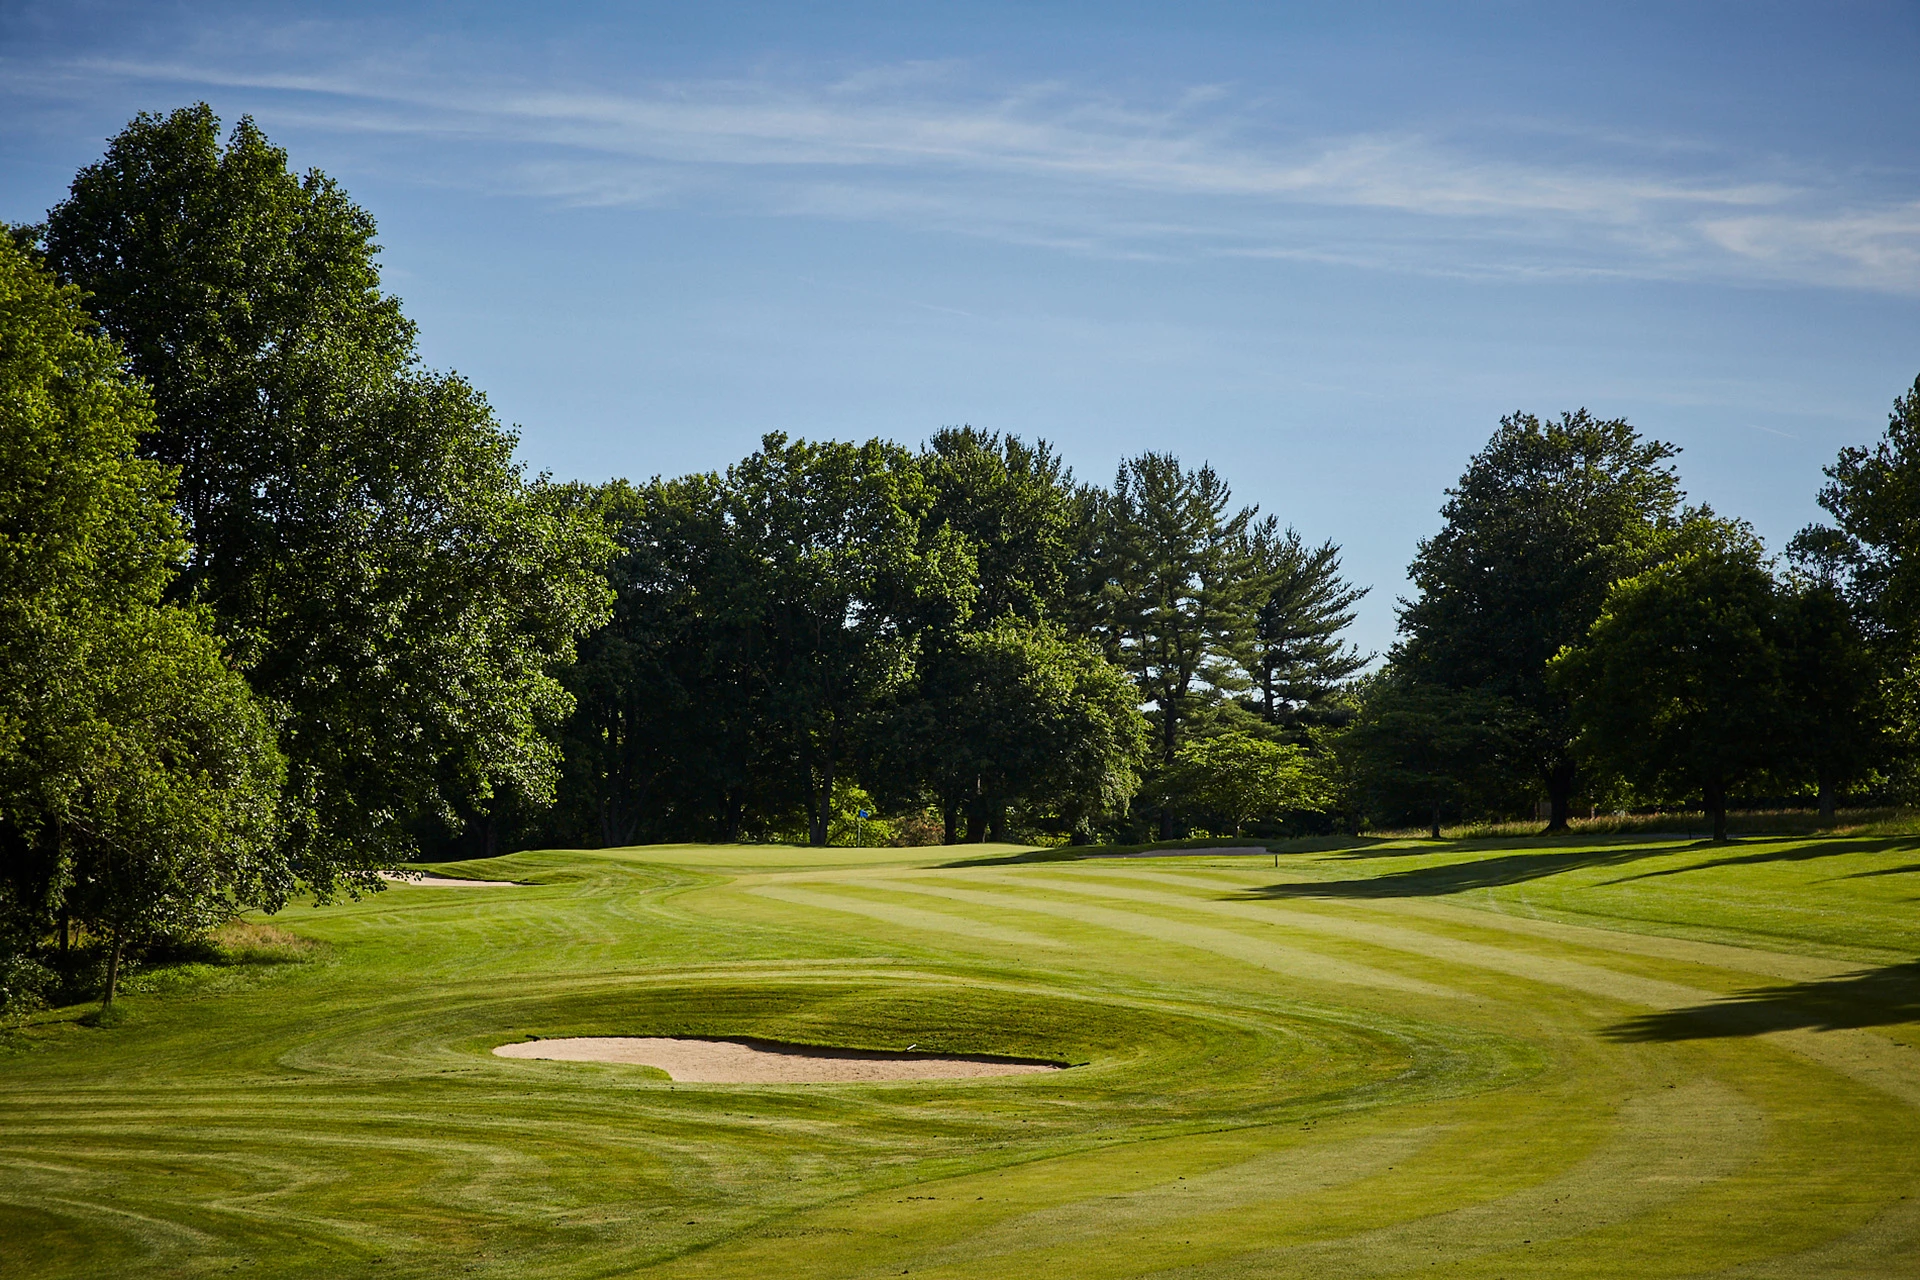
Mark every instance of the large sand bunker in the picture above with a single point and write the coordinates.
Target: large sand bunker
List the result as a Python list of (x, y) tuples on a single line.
[(763, 1062)]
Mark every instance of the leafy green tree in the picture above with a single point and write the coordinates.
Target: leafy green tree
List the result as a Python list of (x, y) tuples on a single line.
[(1838, 728), (839, 578), (1016, 506), (377, 563), (1021, 714), (1546, 519), (1415, 748), (1240, 777), (1300, 663), (137, 773), (1178, 592), (1678, 685), (670, 737), (1871, 552)]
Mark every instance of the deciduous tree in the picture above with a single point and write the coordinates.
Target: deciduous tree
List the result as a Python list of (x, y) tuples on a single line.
[(377, 563), (839, 579), (138, 775), (1240, 777), (1546, 519), (1678, 685)]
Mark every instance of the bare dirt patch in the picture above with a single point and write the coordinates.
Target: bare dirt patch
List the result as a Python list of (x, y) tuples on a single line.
[(763, 1062)]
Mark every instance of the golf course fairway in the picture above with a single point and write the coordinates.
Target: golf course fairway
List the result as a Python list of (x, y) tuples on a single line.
[(1630, 1057)]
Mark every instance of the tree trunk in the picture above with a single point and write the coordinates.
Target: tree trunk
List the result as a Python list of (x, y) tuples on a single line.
[(1559, 796), (1436, 822), (976, 825), (113, 968), (66, 931), (1169, 731), (1716, 799), (1826, 800), (951, 812), (820, 820), (997, 824)]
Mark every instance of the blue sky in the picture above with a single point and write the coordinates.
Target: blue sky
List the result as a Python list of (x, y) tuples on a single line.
[(1324, 247)]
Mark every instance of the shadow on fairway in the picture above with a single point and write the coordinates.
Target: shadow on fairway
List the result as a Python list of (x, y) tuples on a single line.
[(1008, 859), (1348, 846), (1457, 877), (1875, 998), (1883, 871), (1792, 853)]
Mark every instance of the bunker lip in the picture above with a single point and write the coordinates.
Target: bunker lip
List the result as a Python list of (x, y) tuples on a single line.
[(748, 1060)]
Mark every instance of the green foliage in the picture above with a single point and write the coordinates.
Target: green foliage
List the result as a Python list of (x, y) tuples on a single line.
[(1838, 728), (24, 985), (1547, 517), (1872, 552), (1017, 509), (840, 573), (1300, 662), (137, 772), (1022, 714), (382, 571), (1237, 777), (1179, 592), (1679, 686), (1420, 750)]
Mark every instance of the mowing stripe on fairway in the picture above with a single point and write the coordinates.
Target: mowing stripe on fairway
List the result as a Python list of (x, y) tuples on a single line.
[(1285, 1079), (1294, 961), (1787, 965), (905, 917), (1573, 974), (1869, 1058)]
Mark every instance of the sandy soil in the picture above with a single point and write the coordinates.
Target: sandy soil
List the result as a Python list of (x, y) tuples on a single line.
[(757, 1062), (445, 882)]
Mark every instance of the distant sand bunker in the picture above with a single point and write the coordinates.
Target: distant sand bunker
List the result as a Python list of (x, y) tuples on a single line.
[(1235, 850), (761, 1062), (448, 882)]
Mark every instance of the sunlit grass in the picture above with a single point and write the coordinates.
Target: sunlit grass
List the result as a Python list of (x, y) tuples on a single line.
[(1596, 1055)]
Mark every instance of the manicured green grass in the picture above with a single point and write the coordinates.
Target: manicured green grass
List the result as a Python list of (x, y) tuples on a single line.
[(1595, 1057)]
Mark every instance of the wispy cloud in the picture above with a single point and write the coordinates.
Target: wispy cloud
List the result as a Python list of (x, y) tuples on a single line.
[(1204, 173)]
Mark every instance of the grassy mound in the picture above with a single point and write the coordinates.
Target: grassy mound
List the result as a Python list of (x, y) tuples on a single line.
[(1503, 1057)]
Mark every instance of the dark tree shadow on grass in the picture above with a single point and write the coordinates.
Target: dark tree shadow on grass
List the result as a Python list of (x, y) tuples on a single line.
[(1874, 998), (1457, 877), (1799, 852), (1009, 859), (1502, 869), (1883, 871)]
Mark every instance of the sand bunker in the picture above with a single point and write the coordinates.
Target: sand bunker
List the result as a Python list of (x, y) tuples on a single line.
[(762, 1062), (447, 882), (1234, 850)]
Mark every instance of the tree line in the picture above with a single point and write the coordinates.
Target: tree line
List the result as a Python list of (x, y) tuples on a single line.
[(1578, 630), (281, 611)]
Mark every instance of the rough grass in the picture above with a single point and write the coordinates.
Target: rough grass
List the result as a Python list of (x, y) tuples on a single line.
[(1592, 1056)]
